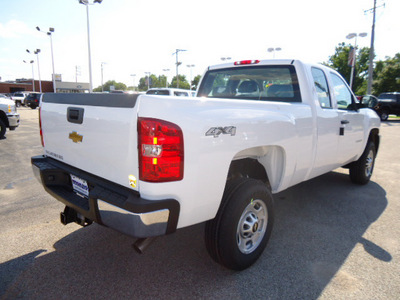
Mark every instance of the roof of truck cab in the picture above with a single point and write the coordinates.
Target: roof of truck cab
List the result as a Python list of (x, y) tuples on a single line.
[(259, 63)]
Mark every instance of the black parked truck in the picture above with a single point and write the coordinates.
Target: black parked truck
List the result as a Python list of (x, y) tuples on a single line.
[(388, 104)]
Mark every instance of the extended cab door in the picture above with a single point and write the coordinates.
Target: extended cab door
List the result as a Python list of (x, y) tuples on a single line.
[(327, 125), (351, 130)]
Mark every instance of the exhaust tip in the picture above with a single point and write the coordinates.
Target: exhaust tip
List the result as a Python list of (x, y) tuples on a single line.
[(141, 244)]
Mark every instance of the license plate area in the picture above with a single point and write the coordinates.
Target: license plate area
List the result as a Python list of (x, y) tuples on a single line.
[(80, 186)]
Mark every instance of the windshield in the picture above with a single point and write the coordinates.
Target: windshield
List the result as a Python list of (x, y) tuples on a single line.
[(269, 83), (387, 96)]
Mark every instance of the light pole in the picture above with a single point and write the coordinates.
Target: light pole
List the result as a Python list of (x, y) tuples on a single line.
[(77, 72), (86, 3), (148, 79), (51, 30), (354, 54), (102, 87), (371, 54), (190, 82), (274, 50), (177, 65), (166, 77), (133, 86), (33, 80), (37, 51)]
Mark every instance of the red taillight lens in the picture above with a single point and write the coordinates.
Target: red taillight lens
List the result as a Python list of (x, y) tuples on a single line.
[(160, 150), (40, 126), (246, 62)]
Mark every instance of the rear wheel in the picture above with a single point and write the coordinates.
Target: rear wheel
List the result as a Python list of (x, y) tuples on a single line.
[(361, 170), (239, 233)]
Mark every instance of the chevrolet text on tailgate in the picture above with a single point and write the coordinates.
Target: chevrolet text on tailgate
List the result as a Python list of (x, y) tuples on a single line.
[(147, 165)]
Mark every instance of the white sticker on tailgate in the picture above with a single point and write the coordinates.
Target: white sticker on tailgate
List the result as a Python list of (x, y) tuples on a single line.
[(80, 185)]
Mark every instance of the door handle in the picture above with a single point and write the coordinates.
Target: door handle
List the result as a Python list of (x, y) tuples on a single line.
[(344, 122), (75, 115)]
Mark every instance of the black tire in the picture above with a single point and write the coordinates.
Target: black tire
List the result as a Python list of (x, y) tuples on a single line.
[(239, 233), (361, 170), (2, 129), (33, 106), (384, 115)]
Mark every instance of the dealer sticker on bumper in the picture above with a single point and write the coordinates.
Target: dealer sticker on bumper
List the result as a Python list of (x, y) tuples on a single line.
[(80, 186)]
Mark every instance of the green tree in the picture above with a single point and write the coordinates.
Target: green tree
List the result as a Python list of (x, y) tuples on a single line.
[(183, 84), (155, 82), (195, 82), (108, 84), (387, 75), (339, 62)]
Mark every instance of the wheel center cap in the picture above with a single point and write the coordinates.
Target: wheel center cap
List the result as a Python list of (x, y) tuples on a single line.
[(255, 227)]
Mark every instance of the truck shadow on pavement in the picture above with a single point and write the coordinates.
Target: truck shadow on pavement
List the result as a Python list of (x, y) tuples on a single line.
[(317, 225)]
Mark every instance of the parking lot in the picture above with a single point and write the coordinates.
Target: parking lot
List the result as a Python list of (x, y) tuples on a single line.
[(331, 240)]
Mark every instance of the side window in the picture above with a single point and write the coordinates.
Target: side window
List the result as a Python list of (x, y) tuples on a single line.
[(343, 95), (321, 86)]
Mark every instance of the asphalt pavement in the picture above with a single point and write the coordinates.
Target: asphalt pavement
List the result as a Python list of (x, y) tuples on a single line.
[(331, 240)]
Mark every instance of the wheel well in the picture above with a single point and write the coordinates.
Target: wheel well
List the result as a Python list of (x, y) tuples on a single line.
[(374, 137), (4, 118), (248, 168)]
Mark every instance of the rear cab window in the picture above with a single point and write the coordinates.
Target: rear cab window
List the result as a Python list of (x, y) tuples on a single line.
[(158, 92), (181, 94), (263, 83)]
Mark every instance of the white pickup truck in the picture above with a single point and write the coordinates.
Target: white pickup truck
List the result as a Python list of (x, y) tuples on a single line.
[(9, 118), (147, 165)]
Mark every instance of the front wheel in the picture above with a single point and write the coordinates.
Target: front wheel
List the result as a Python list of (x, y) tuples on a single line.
[(384, 115), (237, 236), (2, 129), (361, 170)]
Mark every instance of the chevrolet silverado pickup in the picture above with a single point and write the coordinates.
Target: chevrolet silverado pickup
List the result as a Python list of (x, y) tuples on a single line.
[(147, 165)]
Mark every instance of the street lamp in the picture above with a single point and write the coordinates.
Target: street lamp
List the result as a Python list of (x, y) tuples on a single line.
[(51, 30), (190, 82), (352, 59), (102, 87), (33, 80), (133, 86), (166, 77), (86, 3), (274, 50), (37, 51)]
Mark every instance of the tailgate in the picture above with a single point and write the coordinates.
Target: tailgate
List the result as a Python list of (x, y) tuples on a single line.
[(96, 133)]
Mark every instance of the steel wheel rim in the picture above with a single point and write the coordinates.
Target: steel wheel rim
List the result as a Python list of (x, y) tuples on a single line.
[(369, 163), (252, 226)]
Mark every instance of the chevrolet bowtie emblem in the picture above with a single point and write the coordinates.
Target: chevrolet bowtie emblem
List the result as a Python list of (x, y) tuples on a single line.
[(75, 137)]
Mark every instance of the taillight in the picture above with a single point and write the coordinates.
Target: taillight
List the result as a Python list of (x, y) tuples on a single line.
[(246, 62), (160, 150), (40, 126)]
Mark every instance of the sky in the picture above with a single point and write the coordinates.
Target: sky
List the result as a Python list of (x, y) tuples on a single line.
[(131, 37)]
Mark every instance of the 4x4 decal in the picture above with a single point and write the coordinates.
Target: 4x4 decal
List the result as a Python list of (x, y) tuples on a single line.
[(216, 131)]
